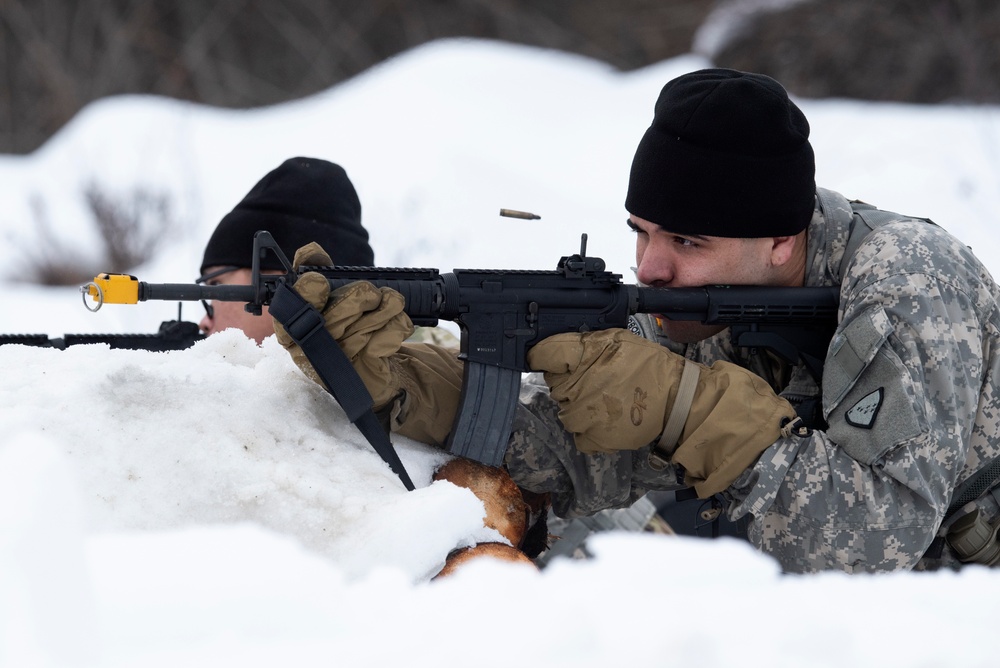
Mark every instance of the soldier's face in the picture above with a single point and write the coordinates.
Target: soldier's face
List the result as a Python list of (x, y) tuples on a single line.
[(665, 259), (227, 315)]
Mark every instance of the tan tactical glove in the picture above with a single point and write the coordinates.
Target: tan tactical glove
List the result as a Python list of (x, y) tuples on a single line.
[(618, 391), (422, 381)]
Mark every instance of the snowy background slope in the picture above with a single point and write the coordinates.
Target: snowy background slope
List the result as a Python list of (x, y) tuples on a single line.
[(212, 507)]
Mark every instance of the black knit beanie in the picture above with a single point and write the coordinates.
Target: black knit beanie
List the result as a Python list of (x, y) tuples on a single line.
[(303, 200), (727, 155)]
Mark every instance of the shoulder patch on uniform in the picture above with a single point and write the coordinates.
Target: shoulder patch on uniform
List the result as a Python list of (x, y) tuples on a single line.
[(863, 413)]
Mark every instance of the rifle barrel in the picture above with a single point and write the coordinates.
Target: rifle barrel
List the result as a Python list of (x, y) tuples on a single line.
[(196, 291)]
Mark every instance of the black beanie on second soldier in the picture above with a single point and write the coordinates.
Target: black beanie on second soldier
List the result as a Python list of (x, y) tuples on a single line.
[(302, 200), (727, 155)]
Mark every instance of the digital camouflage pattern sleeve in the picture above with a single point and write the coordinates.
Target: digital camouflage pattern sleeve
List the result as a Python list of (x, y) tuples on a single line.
[(910, 397), (541, 457)]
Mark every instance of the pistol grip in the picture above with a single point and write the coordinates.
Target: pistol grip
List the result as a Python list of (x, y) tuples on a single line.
[(485, 413)]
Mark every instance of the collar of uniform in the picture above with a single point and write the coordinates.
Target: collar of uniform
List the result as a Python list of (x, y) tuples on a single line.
[(827, 238)]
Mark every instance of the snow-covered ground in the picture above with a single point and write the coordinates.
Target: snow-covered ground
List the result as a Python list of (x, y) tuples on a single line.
[(212, 507)]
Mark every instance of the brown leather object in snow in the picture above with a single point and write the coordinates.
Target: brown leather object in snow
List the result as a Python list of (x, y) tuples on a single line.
[(457, 559), (506, 510)]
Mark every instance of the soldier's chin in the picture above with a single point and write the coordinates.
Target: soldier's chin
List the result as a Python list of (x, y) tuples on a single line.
[(683, 331)]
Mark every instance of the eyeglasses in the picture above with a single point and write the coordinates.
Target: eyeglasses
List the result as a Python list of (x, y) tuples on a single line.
[(205, 279)]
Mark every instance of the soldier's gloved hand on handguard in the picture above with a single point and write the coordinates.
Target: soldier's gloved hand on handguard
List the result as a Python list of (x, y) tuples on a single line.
[(418, 383), (619, 391)]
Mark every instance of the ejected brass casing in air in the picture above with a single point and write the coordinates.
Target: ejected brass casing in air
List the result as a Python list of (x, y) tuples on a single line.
[(514, 213)]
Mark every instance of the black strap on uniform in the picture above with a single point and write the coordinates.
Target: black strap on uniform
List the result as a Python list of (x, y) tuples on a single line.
[(307, 328), (973, 488)]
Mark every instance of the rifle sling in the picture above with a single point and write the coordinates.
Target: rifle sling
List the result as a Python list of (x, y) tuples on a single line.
[(306, 326)]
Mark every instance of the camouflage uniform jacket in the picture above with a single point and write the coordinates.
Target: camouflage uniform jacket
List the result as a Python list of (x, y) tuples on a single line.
[(909, 393)]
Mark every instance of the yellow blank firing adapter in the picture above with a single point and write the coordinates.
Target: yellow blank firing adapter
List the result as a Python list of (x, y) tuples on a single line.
[(111, 288)]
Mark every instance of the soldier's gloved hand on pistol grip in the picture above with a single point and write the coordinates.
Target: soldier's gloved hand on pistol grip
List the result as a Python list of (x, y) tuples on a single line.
[(617, 390), (418, 383)]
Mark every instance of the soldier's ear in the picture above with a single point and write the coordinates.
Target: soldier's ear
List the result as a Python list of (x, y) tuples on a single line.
[(786, 249)]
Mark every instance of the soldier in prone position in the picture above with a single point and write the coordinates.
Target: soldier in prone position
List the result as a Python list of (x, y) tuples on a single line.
[(886, 463), (301, 200)]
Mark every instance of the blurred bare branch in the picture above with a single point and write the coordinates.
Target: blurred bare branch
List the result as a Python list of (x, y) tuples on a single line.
[(48, 260), (129, 228), (923, 51), (57, 56)]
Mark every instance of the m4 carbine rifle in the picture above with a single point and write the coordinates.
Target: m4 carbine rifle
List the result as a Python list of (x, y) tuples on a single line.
[(503, 313), (172, 335)]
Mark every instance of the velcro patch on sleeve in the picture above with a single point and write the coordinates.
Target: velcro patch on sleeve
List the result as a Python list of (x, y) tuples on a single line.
[(869, 398), (851, 351)]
